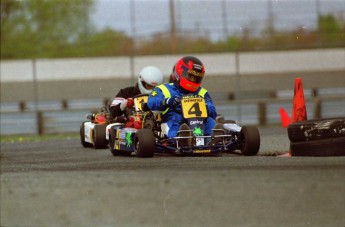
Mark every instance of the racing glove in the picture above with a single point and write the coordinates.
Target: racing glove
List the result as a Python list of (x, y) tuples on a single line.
[(127, 103), (172, 101)]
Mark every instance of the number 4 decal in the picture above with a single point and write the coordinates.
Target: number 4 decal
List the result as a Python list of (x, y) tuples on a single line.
[(194, 107), (195, 110)]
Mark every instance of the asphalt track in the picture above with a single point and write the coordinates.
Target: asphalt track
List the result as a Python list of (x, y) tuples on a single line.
[(59, 183)]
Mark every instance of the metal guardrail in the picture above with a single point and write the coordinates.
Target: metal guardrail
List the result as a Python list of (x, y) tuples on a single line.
[(76, 104)]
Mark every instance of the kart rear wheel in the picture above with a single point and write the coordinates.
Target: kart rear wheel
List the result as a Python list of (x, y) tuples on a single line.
[(144, 143), (82, 136), (98, 136), (249, 140)]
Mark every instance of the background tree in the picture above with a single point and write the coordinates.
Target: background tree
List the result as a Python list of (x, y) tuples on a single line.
[(42, 28), (330, 30), (62, 28), (106, 42)]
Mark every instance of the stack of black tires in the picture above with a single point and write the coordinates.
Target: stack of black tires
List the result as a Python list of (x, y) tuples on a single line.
[(322, 137)]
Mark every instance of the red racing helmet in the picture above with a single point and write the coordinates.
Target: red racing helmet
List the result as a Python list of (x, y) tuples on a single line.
[(189, 72)]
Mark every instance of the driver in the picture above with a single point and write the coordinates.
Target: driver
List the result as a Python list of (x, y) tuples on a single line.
[(149, 77), (188, 73)]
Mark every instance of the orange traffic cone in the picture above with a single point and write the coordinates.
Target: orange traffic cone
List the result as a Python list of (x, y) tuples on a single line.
[(285, 119), (299, 111), (288, 154)]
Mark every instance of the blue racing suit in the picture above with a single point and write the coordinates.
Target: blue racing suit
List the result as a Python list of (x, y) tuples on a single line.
[(171, 116)]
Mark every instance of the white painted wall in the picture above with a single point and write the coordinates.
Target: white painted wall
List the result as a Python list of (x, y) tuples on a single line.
[(215, 64)]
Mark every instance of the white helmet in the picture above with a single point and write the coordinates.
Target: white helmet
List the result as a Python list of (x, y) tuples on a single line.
[(149, 77)]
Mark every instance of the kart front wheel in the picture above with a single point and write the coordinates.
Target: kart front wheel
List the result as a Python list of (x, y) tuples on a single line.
[(112, 140), (249, 140), (144, 143)]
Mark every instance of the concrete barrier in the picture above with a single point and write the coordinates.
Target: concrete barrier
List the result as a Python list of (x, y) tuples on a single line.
[(215, 64), (103, 77)]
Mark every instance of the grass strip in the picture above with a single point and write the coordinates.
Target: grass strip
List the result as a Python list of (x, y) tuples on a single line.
[(34, 138)]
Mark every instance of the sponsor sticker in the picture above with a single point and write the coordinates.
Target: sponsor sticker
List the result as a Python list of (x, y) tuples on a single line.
[(201, 151)]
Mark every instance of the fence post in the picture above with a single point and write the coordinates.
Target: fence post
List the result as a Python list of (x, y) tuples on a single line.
[(314, 92), (273, 94), (40, 122), (22, 106), (317, 108), (262, 113), (64, 104)]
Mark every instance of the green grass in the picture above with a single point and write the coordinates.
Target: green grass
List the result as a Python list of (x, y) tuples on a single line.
[(25, 138)]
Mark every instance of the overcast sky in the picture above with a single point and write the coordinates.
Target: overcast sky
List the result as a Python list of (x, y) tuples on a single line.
[(208, 15)]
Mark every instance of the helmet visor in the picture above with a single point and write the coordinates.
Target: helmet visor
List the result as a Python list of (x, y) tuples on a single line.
[(192, 75), (147, 86)]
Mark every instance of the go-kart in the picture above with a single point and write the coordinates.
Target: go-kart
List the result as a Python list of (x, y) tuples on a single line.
[(93, 131), (121, 135), (149, 137), (96, 131)]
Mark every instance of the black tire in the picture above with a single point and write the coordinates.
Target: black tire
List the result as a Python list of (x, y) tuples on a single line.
[(249, 140), (316, 129), (99, 140), (82, 136), (112, 137), (115, 152), (144, 143), (320, 148)]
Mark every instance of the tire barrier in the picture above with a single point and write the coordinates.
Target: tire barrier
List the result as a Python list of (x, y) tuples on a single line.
[(323, 137), (316, 129)]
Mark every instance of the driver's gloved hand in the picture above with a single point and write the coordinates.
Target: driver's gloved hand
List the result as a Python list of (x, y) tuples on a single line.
[(172, 101), (126, 103)]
